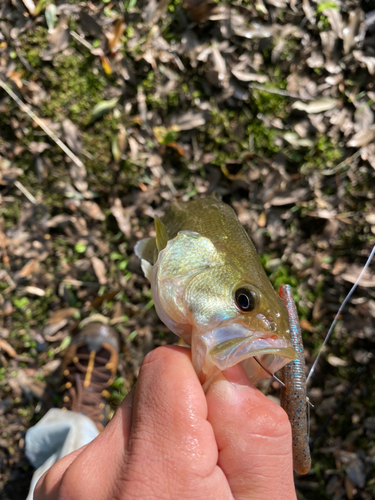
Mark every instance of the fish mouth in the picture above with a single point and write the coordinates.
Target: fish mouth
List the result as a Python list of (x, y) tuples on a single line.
[(236, 344)]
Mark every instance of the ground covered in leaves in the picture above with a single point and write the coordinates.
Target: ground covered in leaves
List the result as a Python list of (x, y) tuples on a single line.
[(109, 111)]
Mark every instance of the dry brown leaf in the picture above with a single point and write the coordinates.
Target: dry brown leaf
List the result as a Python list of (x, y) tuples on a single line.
[(335, 20), (368, 61), (16, 77), (370, 218), (99, 269), (298, 142), (199, 10), (317, 106), (30, 5), (9, 174), (93, 210), (244, 76), (364, 118), (362, 138), (349, 488), (30, 267), (117, 32), (78, 176), (59, 39), (90, 25), (134, 148), (189, 120), (98, 301), (352, 272), (36, 148), (34, 290), (255, 31), (288, 197), (60, 219), (62, 314), (352, 28), (72, 136), (6, 347), (30, 387), (154, 10), (306, 325), (53, 328), (57, 337), (122, 215), (262, 219), (335, 361), (51, 367), (316, 60), (177, 147)]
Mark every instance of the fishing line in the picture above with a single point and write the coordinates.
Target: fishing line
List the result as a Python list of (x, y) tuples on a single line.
[(368, 262), (269, 373)]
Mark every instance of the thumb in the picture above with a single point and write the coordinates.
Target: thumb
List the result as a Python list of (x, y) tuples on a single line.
[(254, 439)]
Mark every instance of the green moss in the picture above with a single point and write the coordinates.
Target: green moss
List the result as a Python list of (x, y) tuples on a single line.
[(290, 48), (34, 42), (11, 212), (173, 4), (76, 86), (264, 138), (268, 103), (173, 100), (76, 83), (324, 154)]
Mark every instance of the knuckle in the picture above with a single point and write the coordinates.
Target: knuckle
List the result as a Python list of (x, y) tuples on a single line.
[(69, 487), (278, 422), (46, 486), (269, 421)]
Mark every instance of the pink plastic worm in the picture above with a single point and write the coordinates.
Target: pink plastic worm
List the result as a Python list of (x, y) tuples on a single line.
[(293, 395)]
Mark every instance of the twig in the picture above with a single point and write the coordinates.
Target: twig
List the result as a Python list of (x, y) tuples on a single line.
[(81, 40), (42, 125), (167, 180), (279, 92), (27, 193), (344, 163)]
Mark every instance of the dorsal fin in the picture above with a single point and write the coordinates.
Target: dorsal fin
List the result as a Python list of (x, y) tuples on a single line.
[(161, 234)]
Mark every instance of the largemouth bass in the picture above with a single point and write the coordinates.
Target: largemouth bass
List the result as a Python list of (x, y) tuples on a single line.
[(211, 290)]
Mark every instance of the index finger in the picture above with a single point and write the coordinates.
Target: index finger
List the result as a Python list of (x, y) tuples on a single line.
[(171, 445)]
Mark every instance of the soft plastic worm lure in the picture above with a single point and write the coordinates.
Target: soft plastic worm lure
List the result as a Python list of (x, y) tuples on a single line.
[(293, 394)]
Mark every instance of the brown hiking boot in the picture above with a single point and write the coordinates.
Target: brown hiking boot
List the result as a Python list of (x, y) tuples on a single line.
[(89, 367)]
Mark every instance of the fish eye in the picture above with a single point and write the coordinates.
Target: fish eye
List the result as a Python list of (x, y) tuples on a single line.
[(245, 299)]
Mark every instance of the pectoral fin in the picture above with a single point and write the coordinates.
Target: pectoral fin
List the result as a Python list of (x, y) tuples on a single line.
[(146, 250), (146, 268)]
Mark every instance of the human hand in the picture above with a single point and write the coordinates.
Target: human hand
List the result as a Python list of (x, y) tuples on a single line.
[(168, 440)]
